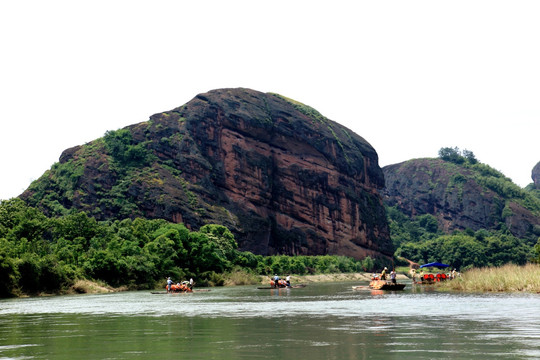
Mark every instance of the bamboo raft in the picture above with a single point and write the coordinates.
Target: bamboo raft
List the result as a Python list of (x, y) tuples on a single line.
[(385, 285), (282, 287), (178, 292)]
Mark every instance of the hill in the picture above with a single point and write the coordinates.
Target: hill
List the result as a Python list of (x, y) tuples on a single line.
[(461, 212), (535, 174), (282, 177), (462, 196)]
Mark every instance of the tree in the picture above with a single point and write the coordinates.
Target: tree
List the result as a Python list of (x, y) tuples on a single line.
[(469, 156), (108, 266), (8, 274), (368, 264), (451, 154), (223, 238), (204, 254), (121, 147), (77, 226)]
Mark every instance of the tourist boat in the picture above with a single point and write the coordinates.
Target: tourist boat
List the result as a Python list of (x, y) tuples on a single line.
[(281, 284), (181, 288), (179, 292), (433, 278), (377, 284)]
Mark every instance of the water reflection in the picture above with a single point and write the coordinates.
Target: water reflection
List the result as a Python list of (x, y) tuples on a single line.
[(321, 321)]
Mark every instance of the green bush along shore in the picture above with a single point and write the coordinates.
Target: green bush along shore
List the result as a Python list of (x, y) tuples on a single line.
[(75, 253)]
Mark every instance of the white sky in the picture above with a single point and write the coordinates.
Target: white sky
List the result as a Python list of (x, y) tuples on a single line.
[(408, 76)]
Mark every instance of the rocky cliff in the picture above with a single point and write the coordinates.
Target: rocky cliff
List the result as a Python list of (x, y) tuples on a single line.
[(282, 177), (460, 197), (536, 175)]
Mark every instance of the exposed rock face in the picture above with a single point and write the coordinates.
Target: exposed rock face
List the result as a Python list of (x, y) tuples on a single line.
[(451, 193), (536, 175), (281, 176)]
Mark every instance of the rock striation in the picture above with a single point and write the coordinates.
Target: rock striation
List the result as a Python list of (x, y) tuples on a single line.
[(282, 177)]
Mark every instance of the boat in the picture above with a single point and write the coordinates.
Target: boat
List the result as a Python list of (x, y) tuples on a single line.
[(183, 287), (280, 283), (431, 278), (178, 292), (297, 286), (385, 285)]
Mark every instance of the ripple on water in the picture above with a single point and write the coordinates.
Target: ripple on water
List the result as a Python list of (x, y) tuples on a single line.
[(328, 318)]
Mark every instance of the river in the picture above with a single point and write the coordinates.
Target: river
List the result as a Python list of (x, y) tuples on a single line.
[(320, 321)]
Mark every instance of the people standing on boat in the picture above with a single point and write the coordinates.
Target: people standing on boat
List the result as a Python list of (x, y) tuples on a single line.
[(383, 273), (276, 280), (413, 274), (393, 276), (288, 280), (191, 283), (169, 284)]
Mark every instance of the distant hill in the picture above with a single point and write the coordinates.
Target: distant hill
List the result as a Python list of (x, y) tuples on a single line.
[(535, 175), (462, 196), (282, 177)]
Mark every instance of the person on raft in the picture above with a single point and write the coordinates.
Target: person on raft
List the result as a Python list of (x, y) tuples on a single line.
[(413, 274), (288, 280), (383, 273), (169, 284), (276, 280), (393, 276)]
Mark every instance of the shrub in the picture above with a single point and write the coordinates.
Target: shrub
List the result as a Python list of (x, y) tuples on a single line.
[(8, 276)]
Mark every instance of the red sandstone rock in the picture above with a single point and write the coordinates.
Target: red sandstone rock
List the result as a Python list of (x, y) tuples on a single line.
[(282, 177)]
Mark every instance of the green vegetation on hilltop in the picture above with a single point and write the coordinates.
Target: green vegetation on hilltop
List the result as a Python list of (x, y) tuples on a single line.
[(492, 179), (59, 185), (303, 108), (40, 254), (125, 152)]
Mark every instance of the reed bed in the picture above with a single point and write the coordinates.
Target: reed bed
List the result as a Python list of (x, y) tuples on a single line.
[(92, 287), (240, 277), (507, 278)]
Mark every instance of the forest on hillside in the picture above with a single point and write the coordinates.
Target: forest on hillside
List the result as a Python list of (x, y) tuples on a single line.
[(420, 239), (40, 254)]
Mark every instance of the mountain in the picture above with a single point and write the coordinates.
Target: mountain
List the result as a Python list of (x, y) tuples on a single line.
[(462, 196), (282, 177), (536, 175)]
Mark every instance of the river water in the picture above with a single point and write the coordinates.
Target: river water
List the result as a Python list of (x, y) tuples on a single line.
[(320, 321)]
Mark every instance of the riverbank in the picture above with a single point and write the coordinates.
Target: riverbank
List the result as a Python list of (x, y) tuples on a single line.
[(241, 277), (236, 278), (92, 287), (507, 278), (306, 279)]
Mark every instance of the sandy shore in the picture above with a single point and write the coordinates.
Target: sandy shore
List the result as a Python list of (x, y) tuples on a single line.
[(91, 287)]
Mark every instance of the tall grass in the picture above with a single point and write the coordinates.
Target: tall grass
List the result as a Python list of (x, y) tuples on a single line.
[(241, 277), (508, 278)]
